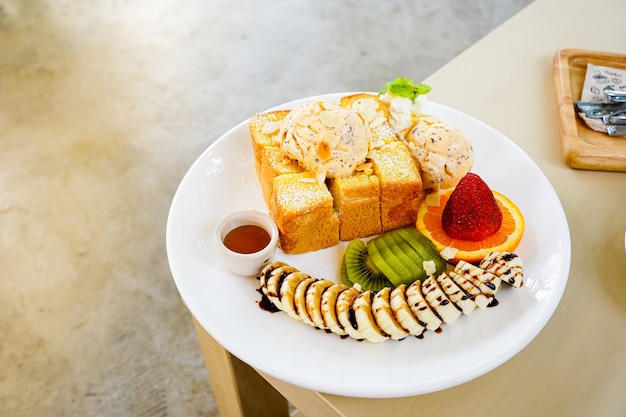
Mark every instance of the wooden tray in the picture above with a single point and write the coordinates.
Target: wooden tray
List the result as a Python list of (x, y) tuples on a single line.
[(583, 147)]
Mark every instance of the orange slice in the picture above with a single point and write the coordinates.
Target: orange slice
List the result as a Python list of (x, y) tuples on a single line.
[(506, 239)]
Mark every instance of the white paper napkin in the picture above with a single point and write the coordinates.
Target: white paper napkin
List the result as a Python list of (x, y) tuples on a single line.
[(597, 78)]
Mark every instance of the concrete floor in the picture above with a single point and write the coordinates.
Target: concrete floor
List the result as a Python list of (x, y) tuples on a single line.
[(103, 107)]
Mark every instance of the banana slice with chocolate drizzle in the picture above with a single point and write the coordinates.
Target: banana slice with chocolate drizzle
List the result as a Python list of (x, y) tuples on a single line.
[(364, 317), (313, 302), (508, 266), (456, 294), (345, 312), (487, 282), (288, 292), (329, 308), (385, 317), (420, 307), (403, 313)]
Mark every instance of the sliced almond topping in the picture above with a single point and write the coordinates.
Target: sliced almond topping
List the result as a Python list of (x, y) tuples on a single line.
[(364, 166), (377, 122), (323, 150), (314, 127), (308, 134), (368, 114), (429, 267), (307, 120), (433, 199), (367, 103), (308, 176), (448, 253), (330, 118), (333, 140), (271, 127), (330, 105)]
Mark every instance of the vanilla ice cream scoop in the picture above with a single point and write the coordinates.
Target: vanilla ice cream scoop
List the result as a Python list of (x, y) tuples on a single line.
[(443, 152), (325, 138)]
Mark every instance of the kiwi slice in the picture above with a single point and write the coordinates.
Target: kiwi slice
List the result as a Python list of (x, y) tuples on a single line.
[(359, 268), (407, 255), (430, 248), (387, 261), (424, 247), (380, 254)]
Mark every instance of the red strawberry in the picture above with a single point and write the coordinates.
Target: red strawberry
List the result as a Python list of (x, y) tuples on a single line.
[(471, 212)]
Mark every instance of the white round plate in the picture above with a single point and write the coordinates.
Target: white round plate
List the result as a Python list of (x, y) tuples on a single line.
[(223, 180)]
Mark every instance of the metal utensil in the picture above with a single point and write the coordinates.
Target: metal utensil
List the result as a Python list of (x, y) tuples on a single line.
[(616, 96), (614, 120), (599, 110), (616, 130)]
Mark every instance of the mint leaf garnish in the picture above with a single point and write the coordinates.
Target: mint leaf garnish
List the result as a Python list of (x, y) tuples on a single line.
[(405, 87)]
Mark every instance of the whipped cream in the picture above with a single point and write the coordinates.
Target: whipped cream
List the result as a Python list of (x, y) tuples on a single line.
[(325, 138), (404, 112)]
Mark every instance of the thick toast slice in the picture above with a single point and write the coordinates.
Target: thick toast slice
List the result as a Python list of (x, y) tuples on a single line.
[(357, 202), (274, 162), (303, 211), (263, 130), (400, 185)]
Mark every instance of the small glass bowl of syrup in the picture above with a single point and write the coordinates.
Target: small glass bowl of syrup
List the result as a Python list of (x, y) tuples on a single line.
[(247, 241)]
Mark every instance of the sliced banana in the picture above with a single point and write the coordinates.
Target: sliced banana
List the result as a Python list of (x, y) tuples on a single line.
[(420, 308), (403, 313), (456, 294), (313, 301), (366, 324), (487, 282), (266, 273), (288, 292), (472, 291), (438, 300), (383, 314), (506, 265), (274, 281), (329, 308), (299, 300), (270, 284), (345, 312)]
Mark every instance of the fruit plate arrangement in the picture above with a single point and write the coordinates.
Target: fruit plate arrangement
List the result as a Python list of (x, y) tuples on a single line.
[(223, 180)]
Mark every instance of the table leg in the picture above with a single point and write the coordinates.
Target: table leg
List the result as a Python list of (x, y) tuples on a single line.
[(239, 390), (310, 403)]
